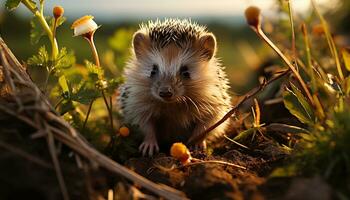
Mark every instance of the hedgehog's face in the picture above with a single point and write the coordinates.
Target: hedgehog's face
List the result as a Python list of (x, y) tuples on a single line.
[(171, 71)]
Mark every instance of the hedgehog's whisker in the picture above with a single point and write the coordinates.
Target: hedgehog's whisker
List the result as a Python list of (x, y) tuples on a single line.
[(183, 99), (194, 104)]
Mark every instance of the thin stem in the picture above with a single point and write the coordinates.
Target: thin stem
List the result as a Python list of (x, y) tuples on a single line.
[(90, 38), (318, 104), (293, 34), (285, 59), (46, 80), (53, 41), (110, 102), (330, 41), (109, 109), (29, 6), (235, 142), (42, 8), (308, 58), (54, 28), (198, 162), (59, 103), (39, 14), (87, 115)]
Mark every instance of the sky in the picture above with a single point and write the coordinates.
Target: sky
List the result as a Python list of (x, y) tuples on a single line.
[(114, 9)]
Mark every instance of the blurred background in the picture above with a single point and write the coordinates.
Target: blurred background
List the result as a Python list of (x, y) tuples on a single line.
[(239, 49)]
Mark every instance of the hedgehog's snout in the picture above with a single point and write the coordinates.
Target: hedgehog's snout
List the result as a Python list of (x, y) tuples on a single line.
[(167, 89), (166, 92)]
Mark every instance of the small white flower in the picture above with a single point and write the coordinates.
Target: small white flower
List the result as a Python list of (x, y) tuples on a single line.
[(84, 25)]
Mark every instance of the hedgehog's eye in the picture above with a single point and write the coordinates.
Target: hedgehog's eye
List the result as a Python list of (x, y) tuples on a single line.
[(184, 73), (154, 70)]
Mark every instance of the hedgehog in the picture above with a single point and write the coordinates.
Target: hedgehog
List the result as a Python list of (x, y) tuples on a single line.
[(175, 87)]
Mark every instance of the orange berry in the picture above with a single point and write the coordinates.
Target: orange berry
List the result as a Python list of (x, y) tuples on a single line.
[(124, 131), (58, 11), (180, 152), (253, 17)]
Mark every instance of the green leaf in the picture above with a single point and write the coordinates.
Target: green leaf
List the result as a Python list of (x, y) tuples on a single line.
[(298, 106), (285, 128), (42, 59), (245, 134), (64, 85), (12, 4), (86, 93), (36, 31), (66, 106), (346, 58), (113, 84), (51, 21), (347, 85), (303, 101), (64, 59), (94, 72)]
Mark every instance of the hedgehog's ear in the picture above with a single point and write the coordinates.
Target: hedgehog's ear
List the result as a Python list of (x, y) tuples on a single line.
[(208, 45), (140, 44)]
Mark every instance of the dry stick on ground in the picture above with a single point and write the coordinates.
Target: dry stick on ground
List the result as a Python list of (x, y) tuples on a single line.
[(195, 139), (23, 91), (52, 149)]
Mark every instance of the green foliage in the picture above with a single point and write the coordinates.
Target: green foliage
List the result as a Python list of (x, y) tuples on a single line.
[(326, 151), (37, 32), (76, 89), (245, 134), (297, 104), (51, 21), (95, 73), (64, 85), (346, 58), (64, 60), (323, 149), (42, 59), (12, 4), (86, 93)]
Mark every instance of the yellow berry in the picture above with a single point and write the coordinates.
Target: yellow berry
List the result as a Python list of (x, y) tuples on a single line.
[(124, 131), (252, 15), (57, 11), (180, 152)]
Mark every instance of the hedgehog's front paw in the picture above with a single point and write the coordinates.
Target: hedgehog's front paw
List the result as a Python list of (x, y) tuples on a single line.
[(150, 146)]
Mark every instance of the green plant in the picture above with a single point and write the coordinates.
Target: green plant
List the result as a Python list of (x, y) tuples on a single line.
[(71, 87), (323, 149)]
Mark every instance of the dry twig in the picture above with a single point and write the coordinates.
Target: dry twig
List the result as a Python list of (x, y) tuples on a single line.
[(195, 139)]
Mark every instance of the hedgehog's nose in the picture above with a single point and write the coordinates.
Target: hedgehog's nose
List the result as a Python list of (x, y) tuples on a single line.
[(165, 92)]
